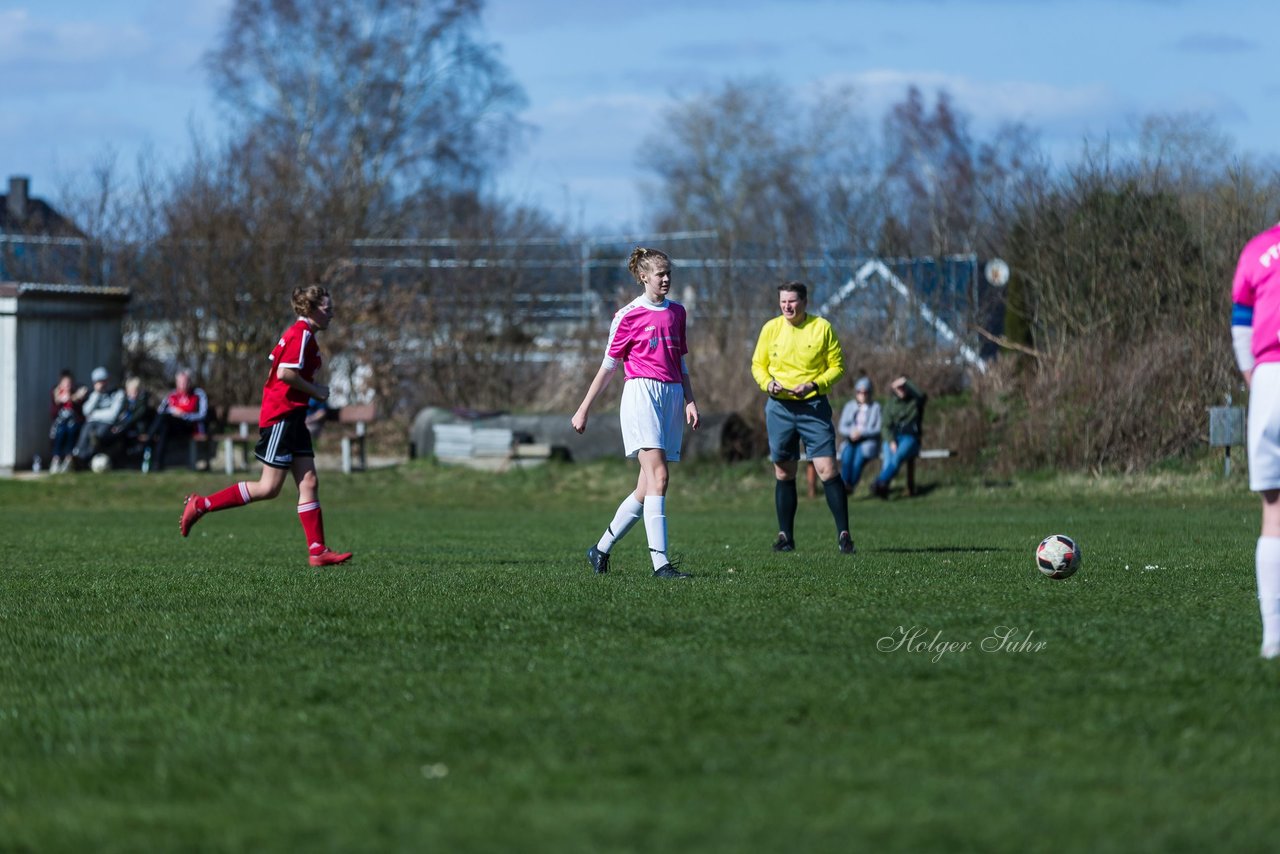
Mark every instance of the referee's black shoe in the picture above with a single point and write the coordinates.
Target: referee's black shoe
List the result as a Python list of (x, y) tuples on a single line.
[(845, 544), (784, 543)]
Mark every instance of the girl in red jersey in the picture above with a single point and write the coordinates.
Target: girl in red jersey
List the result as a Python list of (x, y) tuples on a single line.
[(286, 443), (66, 416)]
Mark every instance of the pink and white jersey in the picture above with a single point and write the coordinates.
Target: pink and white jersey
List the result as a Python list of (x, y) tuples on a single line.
[(649, 340), (1255, 294)]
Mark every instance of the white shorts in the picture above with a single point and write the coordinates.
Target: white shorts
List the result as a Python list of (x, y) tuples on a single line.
[(652, 415), (1264, 427)]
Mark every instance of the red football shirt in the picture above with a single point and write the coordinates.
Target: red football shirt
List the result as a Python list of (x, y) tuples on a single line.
[(189, 406), (296, 349)]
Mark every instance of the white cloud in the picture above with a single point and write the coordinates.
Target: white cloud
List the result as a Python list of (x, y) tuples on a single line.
[(584, 154), (198, 15), (1043, 106), (26, 38), (62, 49), (1216, 43), (728, 51), (580, 164), (86, 78), (524, 16), (615, 122)]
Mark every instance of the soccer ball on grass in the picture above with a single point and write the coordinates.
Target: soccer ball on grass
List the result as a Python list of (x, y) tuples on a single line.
[(1058, 556), (100, 463)]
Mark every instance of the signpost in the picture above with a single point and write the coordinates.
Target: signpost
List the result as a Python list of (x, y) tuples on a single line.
[(1226, 428)]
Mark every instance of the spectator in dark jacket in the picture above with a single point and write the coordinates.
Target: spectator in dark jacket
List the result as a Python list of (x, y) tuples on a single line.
[(183, 413), (903, 419), (135, 416)]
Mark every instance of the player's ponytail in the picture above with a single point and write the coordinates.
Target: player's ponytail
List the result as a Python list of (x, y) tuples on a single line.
[(307, 298), (643, 258)]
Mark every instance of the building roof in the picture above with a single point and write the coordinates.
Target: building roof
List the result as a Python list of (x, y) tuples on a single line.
[(23, 289), (40, 219)]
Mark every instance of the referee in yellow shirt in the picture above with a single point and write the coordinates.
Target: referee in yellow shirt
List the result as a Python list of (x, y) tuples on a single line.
[(797, 360)]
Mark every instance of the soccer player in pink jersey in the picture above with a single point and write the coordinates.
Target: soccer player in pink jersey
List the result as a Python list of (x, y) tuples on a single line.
[(1255, 334), (647, 337), (285, 443)]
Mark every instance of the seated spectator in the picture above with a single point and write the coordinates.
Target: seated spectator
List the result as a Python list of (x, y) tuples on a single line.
[(183, 414), (100, 411), (317, 414), (903, 418), (123, 440), (859, 429), (65, 418)]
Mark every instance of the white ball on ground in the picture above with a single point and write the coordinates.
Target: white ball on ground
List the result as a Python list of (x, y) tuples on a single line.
[(100, 463), (1058, 556)]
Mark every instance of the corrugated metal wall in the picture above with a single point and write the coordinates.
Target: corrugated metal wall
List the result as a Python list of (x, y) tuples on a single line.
[(42, 332)]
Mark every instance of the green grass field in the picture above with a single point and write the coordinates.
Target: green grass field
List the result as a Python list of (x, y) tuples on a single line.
[(467, 684)]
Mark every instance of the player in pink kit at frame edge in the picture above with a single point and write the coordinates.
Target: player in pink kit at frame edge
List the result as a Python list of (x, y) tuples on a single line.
[(647, 337), (285, 443), (1255, 334)]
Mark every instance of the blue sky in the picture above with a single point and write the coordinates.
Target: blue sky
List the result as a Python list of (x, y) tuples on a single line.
[(86, 78)]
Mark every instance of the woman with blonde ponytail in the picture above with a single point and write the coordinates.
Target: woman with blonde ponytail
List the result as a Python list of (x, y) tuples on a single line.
[(647, 337)]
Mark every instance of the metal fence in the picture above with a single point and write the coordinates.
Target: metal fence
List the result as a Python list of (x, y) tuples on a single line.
[(567, 282)]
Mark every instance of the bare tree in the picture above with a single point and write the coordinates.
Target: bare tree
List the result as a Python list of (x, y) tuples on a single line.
[(1185, 152), (351, 121), (367, 102), (451, 322), (774, 177), (1125, 266), (761, 167), (947, 192)]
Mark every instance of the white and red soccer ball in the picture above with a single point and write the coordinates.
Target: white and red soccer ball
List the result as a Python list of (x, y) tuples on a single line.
[(1058, 556)]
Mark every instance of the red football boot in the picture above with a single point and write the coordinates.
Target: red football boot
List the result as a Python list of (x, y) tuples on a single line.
[(329, 557), (191, 513)]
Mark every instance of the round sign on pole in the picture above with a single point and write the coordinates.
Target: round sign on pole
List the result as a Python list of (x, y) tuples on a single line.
[(997, 272)]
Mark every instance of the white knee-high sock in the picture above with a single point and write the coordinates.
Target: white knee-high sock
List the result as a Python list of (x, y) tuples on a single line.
[(655, 525), (629, 512), (1268, 569)]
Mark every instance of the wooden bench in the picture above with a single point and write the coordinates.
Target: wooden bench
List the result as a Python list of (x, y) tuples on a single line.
[(356, 418), (242, 432), (199, 448), (925, 454), (531, 451)]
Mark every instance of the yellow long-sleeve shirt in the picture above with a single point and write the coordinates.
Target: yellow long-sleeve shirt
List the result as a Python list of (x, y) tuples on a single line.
[(808, 353)]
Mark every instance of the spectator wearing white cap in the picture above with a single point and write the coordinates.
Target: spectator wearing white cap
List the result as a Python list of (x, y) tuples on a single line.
[(100, 411)]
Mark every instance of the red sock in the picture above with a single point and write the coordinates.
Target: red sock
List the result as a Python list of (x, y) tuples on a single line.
[(235, 495), (313, 526)]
